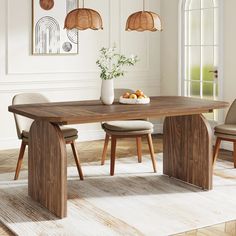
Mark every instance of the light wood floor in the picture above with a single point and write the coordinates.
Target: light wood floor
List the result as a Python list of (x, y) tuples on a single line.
[(91, 151)]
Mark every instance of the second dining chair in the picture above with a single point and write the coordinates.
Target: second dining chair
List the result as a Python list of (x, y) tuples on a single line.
[(23, 126), (226, 132), (127, 129)]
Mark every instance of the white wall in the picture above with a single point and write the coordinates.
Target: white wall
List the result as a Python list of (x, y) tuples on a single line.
[(169, 47), (64, 78)]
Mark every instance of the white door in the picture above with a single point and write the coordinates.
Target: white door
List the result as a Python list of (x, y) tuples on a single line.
[(200, 50)]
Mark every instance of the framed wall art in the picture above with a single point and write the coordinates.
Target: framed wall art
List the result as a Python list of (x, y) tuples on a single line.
[(49, 36)]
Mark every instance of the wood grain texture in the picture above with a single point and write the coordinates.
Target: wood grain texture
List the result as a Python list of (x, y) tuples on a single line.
[(77, 161), (47, 179), (151, 149), (104, 152), (95, 111), (139, 148), (187, 150), (113, 154), (234, 154), (216, 150), (44, 136), (20, 159)]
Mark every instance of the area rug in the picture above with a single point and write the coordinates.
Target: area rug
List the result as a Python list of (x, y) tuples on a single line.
[(135, 201)]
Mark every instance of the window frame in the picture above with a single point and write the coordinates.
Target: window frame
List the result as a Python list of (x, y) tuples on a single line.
[(181, 52)]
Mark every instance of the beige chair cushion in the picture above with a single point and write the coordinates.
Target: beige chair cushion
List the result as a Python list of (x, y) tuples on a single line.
[(226, 129), (129, 133), (24, 123), (128, 125), (231, 115), (69, 134)]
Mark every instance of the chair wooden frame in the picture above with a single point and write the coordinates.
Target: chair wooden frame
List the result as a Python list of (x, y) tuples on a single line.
[(217, 148), (22, 152), (139, 149)]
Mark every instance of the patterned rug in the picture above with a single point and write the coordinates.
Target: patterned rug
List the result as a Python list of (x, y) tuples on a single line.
[(133, 202)]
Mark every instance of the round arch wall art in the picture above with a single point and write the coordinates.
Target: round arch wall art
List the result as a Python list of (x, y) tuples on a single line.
[(48, 34)]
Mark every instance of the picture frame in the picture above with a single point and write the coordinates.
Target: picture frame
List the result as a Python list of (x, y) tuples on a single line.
[(48, 34)]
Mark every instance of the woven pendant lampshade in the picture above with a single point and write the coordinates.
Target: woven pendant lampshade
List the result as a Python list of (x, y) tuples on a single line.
[(82, 19), (144, 21)]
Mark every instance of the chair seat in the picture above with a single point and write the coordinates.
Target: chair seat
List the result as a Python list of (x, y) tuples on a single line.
[(128, 127), (226, 129), (69, 134)]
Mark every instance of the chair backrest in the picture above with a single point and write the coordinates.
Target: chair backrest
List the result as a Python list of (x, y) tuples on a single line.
[(119, 92), (24, 123), (231, 115)]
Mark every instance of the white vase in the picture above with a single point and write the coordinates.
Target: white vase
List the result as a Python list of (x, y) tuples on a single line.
[(107, 92)]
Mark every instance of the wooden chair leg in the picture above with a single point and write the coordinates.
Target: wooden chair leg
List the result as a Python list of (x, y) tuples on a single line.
[(76, 156), (104, 152), (20, 159), (113, 155), (216, 150), (150, 144), (234, 154), (139, 148)]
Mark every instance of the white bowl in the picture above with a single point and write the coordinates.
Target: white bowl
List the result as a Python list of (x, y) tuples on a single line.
[(134, 101)]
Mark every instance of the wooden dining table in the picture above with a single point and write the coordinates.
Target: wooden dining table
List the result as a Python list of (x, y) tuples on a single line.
[(187, 145)]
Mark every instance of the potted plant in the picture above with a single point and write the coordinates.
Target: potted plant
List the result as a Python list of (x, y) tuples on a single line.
[(112, 66)]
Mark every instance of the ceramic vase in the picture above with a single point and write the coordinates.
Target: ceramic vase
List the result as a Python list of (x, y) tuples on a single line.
[(107, 92)]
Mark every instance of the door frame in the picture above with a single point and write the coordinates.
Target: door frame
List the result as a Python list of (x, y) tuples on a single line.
[(181, 54)]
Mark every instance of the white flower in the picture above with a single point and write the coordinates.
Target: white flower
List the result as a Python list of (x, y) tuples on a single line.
[(111, 63)]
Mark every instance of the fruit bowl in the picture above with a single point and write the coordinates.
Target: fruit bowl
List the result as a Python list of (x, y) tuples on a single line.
[(134, 100), (137, 97)]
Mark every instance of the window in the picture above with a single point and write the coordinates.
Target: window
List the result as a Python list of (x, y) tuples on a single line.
[(200, 50)]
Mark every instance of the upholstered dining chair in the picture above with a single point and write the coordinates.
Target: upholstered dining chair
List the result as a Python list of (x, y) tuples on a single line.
[(226, 132), (23, 126), (126, 129)]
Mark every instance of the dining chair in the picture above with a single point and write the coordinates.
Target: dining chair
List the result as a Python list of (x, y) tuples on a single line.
[(226, 132), (23, 126), (127, 129)]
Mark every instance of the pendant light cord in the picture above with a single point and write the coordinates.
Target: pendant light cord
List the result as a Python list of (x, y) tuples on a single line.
[(143, 5)]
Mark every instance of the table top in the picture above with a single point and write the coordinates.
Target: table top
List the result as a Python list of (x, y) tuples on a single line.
[(94, 111)]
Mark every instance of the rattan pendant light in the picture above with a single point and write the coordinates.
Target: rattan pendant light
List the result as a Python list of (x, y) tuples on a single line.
[(83, 18), (144, 21)]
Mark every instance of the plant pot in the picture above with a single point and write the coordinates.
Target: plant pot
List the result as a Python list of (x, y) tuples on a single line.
[(107, 92)]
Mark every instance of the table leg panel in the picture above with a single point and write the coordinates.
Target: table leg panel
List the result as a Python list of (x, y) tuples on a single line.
[(47, 167), (187, 150)]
